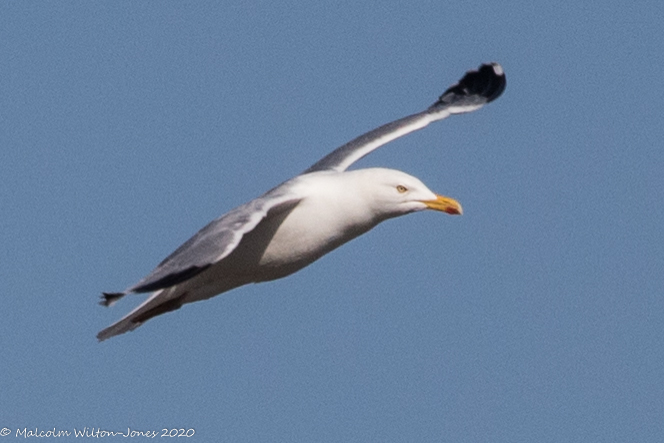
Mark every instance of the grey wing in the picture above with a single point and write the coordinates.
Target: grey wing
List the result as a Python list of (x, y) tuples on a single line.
[(211, 244), (473, 91)]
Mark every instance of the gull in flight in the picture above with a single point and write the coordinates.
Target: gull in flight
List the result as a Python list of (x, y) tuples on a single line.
[(304, 218)]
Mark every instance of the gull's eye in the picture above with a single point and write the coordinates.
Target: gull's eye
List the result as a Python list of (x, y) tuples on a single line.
[(401, 189)]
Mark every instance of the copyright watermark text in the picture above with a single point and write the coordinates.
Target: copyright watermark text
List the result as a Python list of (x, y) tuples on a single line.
[(93, 432)]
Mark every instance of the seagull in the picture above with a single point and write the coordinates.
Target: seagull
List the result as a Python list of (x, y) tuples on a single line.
[(296, 223)]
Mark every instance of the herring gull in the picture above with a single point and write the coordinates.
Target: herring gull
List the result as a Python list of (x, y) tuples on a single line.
[(304, 218)]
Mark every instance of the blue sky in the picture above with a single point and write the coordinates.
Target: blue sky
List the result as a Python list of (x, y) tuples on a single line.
[(536, 316)]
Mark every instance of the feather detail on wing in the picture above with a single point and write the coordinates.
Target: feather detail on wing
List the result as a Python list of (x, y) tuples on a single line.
[(210, 245)]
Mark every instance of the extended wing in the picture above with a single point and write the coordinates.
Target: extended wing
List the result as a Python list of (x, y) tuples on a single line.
[(473, 91), (209, 245)]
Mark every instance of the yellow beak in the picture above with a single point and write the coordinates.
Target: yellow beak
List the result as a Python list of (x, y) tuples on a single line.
[(444, 204)]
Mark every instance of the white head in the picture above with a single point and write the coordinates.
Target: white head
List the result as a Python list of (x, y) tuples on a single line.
[(392, 193), (368, 196)]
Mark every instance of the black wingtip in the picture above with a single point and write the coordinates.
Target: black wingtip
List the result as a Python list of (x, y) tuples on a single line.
[(108, 298), (487, 82)]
